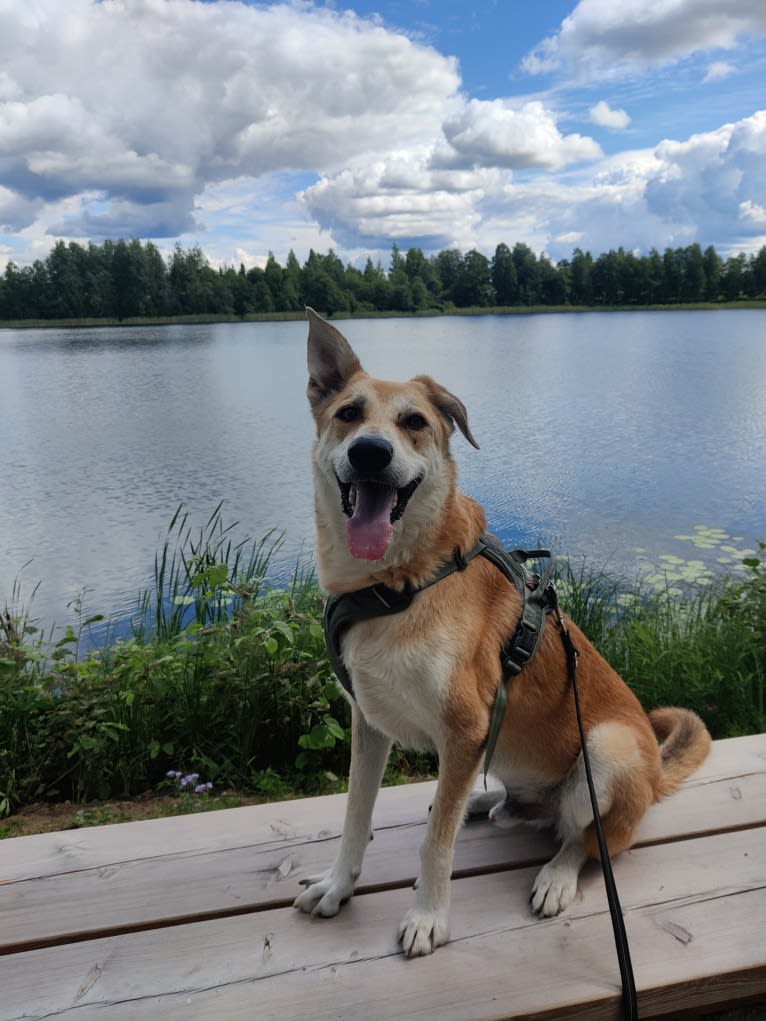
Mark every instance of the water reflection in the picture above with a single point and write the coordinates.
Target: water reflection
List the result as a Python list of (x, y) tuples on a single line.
[(600, 433)]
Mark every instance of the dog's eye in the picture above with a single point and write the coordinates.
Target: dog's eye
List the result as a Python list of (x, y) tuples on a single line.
[(350, 413), (415, 422)]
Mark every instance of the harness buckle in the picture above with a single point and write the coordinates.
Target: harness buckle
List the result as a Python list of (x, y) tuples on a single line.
[(460, 561)]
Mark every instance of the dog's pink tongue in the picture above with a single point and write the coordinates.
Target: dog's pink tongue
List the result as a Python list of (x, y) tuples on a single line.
[(369, 531)]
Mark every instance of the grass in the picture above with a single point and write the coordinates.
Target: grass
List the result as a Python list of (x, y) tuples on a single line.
[(226, 675), (698, 642)]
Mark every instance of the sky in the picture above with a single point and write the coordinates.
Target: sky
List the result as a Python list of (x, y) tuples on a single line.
[(248, 128)]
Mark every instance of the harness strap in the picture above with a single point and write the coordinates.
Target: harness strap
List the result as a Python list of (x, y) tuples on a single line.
[(523, 644), (340, 612)]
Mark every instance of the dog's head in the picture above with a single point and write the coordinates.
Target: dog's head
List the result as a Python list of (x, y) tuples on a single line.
[(382, 453)]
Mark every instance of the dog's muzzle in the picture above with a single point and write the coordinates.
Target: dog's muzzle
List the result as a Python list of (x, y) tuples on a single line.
[(370, 496)]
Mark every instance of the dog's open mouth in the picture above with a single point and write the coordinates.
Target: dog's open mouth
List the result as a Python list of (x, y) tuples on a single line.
[(372, 509)]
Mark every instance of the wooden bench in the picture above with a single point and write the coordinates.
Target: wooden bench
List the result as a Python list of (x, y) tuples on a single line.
[(189, 917)]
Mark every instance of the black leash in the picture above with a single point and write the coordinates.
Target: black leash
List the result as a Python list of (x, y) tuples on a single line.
[(629, 1000)]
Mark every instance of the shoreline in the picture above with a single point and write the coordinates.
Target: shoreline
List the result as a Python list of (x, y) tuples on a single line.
[(299, 316)]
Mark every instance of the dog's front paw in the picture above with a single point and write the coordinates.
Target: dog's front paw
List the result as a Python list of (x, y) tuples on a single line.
[(422, 931), (324, 894), (554, 889)]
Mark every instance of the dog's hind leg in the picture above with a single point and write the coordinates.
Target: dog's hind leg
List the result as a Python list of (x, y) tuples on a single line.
[(623, 793), (426, 924), (325, 893), (483, 804)]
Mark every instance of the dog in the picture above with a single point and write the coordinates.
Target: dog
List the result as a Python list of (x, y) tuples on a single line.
[(389, 511)]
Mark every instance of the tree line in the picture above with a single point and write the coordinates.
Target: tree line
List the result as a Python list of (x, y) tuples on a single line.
[(126, 279)]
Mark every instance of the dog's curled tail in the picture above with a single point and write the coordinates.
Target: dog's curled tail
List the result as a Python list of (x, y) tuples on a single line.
[(685, 743)]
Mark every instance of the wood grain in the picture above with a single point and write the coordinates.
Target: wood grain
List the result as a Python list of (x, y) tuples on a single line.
[(187, 917)]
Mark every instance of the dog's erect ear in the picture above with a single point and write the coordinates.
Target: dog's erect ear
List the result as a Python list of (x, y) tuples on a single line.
[(449, 405), (330, 358)]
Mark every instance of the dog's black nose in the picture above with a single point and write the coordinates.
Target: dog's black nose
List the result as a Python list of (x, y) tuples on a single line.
[(370, 454)]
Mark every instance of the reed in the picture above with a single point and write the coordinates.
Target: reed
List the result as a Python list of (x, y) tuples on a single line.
[(202, 578)]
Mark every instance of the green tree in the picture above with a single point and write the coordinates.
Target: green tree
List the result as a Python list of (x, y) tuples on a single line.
[(473, 287), (397, 262), (424, 280), (654, 277), (376, 289), (581, 278), (449, 264), (241, 291), (129, 280), (712, 264), (694, 283), (527, 274), (553, 283), (293, 300), (399, 296), (66, 282), (672, 274), (319, 287), (758, 272), (191, 282), (504, 276), (275, 278), (734, 277), (155, 281)]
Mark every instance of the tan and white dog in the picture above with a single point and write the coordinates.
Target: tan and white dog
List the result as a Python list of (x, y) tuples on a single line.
[(389, 511)]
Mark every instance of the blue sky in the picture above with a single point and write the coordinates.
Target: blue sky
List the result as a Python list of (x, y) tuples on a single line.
[(256, 127)]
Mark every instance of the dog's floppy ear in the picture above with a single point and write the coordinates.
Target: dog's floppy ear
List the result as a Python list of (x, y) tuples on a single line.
[(331, 360), (449, 405)]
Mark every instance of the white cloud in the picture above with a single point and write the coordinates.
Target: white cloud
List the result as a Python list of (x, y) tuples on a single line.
[(601, 38), (404, 198), (16, 212), (603, 115), (708, 188), (496, 134), (717, 71), (247, 127), (149, 101), (438, 196), (713, 180), (752, 213)]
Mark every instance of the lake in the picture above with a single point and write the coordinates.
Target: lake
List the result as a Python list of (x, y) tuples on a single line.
[(605, 434)]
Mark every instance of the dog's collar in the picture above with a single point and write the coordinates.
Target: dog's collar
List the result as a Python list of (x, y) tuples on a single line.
[(537, 598)]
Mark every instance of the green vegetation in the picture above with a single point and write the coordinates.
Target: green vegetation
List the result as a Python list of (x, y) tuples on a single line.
[(226, 676), (119, 281)]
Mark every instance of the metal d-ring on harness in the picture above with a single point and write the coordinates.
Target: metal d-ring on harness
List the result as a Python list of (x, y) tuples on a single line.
[(539, 598)]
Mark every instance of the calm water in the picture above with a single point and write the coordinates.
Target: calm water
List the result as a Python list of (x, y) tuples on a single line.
[(601, 433)]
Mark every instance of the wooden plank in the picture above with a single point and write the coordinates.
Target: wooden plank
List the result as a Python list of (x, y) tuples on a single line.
[(302, 819), (732, 756), (196, 883), (178, 887), (696, 913)]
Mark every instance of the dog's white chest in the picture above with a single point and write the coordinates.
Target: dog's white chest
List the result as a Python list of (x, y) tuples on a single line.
[(400, 685)]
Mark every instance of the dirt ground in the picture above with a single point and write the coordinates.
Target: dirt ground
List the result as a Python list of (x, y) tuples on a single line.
[(49, 818)]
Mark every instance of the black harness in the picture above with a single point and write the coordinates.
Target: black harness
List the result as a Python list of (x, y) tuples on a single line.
[(538, 598)]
